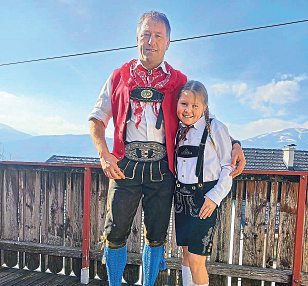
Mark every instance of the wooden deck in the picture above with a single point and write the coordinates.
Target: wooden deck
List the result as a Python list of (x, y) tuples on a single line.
[(52, 219), (21, 277)]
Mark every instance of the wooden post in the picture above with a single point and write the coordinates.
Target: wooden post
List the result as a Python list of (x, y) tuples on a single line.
[(10, 213), (55, 216), (287, 224), (253, 244), (84, 279), (98, 220), (30, 182), (1, 211), (299, 233), (305, 246)]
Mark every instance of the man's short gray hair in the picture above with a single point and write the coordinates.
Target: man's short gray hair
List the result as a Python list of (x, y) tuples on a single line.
[(157, 16)]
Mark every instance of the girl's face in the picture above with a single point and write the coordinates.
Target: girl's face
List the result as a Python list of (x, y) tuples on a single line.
[(190, 107)]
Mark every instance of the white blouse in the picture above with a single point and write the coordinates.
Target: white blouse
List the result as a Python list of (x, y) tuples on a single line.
[(217, 159)]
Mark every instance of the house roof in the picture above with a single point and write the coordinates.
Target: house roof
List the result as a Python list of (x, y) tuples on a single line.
[(272, 159), (72, 160), (256, 159)]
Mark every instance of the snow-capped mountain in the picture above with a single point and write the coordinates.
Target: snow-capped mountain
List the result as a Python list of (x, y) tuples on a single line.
[(279, 139)]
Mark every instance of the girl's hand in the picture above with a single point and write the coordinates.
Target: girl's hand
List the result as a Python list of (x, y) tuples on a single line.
[(238, 160), (207, 208)]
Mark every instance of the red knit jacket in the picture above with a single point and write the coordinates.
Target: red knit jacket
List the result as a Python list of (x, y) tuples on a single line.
[(121, 85)]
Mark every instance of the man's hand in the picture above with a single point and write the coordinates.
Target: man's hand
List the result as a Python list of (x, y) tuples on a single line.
[(108, 161), (238, 160), (110, 167), (207, 208)]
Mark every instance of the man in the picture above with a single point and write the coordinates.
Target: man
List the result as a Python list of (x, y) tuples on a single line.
[(141, 98)]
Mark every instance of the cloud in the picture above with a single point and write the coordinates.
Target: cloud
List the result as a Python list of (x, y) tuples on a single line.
[(267, 98), (36, 116), (274, 93), (262, 126), (77, 7), (238, 89), (220, 88)]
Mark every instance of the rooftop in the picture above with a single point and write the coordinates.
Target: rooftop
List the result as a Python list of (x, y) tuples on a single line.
[(257, 159), (272, 159)]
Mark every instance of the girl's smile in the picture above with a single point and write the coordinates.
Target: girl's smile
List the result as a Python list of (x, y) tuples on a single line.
[(190, 107)]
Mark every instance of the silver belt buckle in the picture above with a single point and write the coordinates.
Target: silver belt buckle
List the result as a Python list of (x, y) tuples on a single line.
[(144, 153), (140, 151)]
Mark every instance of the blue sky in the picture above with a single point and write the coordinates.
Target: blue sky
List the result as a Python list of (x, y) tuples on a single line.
[(257, 81)]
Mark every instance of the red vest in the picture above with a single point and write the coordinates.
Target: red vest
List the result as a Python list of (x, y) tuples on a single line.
[(121, 85)]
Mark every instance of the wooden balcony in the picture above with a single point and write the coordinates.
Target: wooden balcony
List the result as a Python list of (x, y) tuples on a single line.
[(52, 219)]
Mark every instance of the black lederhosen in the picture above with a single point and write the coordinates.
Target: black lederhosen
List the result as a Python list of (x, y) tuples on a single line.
[(147, 178), (192, 231)]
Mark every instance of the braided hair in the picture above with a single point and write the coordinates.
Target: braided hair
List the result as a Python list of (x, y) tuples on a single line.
[(197, 88)]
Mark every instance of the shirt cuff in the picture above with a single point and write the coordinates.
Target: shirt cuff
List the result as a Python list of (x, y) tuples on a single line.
[(101, 116)]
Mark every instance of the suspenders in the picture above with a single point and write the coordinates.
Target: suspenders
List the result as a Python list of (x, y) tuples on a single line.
[(189, 151), (200, 160)]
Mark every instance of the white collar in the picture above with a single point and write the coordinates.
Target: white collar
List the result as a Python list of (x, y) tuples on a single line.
[(200, 123), (162, 66)]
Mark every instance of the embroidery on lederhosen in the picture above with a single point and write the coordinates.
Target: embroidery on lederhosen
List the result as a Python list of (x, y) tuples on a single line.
[(185, 200), (193, 210), (189, 151), (184, 193), (179, 205), (181, 135), (208, 241)]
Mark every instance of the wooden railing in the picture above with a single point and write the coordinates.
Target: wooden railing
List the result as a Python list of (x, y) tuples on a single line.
[(52, 217)]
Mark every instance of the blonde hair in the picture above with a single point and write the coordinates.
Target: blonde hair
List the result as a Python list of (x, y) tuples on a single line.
[(197, 88)]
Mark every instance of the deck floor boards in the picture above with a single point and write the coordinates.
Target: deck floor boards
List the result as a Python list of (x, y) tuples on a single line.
[(22, 277)]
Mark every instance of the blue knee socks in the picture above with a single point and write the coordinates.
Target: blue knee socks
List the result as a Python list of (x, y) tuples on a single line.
[(152, 261), (115, 264)]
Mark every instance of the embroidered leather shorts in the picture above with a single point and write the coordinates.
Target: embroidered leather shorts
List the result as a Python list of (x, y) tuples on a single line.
[(192, 231), (151, 182)]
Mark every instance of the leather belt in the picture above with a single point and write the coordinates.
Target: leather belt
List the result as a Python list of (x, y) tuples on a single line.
[(145, 151)]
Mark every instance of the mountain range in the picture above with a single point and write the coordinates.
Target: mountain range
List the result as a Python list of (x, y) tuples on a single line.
[(19, 146), (279, 139)]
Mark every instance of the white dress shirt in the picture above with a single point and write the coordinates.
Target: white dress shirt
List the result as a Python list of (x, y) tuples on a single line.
[(146, 130), (217, 159)]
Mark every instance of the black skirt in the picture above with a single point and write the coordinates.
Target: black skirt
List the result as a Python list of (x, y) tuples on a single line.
[(192, 231)]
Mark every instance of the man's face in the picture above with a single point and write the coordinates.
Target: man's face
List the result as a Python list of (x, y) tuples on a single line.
[(152, 42)]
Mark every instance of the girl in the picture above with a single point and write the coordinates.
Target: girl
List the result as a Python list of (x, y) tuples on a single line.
[(203, 164)]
